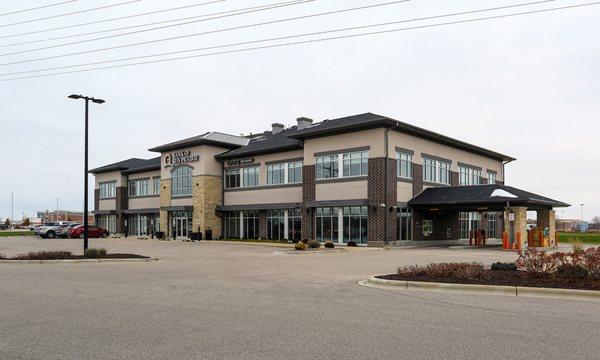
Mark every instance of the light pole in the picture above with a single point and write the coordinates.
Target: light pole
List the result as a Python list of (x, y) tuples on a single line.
[(56, 208), (85, 170), (581, 225), (12, 208)]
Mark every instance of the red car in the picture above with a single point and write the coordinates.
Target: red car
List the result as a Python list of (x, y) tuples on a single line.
[(93, 232)]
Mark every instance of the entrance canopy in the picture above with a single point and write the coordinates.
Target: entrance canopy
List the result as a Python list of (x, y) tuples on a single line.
[(494, 197)]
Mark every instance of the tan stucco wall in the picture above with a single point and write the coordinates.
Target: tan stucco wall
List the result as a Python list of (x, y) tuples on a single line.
[(186, 201), (263, 159), (264, 196), (420, 146), (142, 175), (405, 191), (110, 204), (144, 202), (341, 190), (110, 176), (372, 138), (206, 165)]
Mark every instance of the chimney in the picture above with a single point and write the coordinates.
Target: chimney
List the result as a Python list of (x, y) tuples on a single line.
[(277, 128), (304, 122)]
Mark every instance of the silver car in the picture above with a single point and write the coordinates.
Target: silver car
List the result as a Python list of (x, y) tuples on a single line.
[(51, 230)]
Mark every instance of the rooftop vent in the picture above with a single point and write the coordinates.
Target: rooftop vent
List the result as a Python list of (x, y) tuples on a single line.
[(304, 122), (277, 128)]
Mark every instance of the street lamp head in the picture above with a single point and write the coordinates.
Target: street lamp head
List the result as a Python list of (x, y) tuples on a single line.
[(98, 101), (75, 96)]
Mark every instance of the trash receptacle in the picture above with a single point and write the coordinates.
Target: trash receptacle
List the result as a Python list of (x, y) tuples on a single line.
[(194, 236), (208, 233), (160, 234)]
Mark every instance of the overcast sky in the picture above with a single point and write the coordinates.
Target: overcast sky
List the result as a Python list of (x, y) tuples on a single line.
[(525, 86)]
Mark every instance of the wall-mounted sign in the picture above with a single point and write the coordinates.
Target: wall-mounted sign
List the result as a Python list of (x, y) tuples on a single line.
[(180, 157), (427, 227), (240, 161), (511, 217)]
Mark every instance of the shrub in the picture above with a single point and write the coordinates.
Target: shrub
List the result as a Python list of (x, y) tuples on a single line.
[(2, 256), (590, 260), (537, 262), (572, 271), (577, 246), (300, 246), (95, 253), (329, 245), (43, 255), (446, 270), (504, 266), (313, 244), (352, 243)]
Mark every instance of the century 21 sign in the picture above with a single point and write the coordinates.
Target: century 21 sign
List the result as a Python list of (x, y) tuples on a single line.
[(181, 157)]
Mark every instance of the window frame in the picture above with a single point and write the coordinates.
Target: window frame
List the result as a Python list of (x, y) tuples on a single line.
[(107, 189), (404, 161), (439, 171), (179, 185)]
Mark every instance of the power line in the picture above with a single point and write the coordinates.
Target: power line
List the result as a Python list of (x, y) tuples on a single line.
[(71, 13), (197, 34), (112, 19), (142, 25), (37, 8), (290, 43), (254, 9)]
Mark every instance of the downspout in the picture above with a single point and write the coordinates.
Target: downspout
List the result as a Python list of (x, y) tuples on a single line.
[(504, 170)]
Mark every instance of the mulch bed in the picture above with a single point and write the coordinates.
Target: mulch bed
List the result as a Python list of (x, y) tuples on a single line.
[(508, 278), (79, 257)]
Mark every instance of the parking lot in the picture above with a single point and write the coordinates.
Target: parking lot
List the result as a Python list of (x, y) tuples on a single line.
[(215, 300)]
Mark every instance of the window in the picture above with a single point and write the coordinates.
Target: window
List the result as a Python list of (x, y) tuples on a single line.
[(107, 189), (405, 162), (404, 224), (469, 176), (295, 172), (492, 177), (107, 222), (355, 224), (250, 176), (356, 163), (327, 224), (276, 174), (138, 187), (294, 225), (181, 181), (231, 222), (275, 224), (436, 171), (326, 166), (156, 185), (250, 224), (232, 178), (492, 226), (469, 221)]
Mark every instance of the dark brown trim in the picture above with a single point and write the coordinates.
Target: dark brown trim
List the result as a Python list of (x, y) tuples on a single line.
[(273, 206), (342, 179), (430, 183), (491, 171), (403, 179), (142, 211), (284, 161), (108, 198), (474, 167), (144, 196), (105, 212), (180, 196), (341, 151), (177, 208), (264, 187), (406, 151), (433, 157), (334, 203)]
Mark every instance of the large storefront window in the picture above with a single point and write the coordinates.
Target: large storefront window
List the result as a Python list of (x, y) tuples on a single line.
[(275, 224), (108, 222), (141, 224), (181, 181), (250, 225), (327, 224), (294, 225), (232, 225), (469, 221), (355, 224), (404, 224)]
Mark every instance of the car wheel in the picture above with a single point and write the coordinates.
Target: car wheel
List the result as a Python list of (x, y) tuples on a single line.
[(81, 236), (51, 235), (104, 234)]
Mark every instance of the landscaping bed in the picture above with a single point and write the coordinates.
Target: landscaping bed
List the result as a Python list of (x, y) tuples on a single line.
[(67, 255), (534, 268)]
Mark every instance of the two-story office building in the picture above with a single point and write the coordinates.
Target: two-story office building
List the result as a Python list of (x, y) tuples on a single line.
[(364, 178)]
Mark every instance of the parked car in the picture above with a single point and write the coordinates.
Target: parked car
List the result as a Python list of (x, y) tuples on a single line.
[(93, 231), (51, 230), (63, 231)]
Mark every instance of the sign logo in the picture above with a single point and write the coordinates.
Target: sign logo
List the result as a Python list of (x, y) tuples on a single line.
[(180, 157), (240, 161)]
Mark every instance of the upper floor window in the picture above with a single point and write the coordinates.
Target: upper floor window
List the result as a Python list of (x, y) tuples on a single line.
[(492, 177), (436, 171), (156, 185), (276, 174), (294, 172), (327, 167), (469, 176), (284, 173), (245, 177), (356, 163), (138, 187), (405, 162), (107, 189), (181, 181)]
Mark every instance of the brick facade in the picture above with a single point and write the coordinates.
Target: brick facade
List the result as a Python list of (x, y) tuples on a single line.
[(454, 178), (377, 196), (122, 203), (262, 224), (308, 195), (442, 222), (417, 179)]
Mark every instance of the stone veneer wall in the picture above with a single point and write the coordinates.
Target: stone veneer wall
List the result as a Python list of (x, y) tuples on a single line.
[(165, 200), (377, 195), (308, 195), (206, 196)]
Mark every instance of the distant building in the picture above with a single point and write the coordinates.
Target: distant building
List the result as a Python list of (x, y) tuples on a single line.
[(63, 215), (571, 225)]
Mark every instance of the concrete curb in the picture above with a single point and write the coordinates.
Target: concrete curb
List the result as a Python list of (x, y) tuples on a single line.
[(485, 289), (308, 252), (76, 261)]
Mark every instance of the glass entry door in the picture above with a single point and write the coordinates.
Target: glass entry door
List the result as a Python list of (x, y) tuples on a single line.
[(181, 228)]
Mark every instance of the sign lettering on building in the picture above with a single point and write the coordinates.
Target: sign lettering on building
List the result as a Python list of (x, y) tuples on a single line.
[(240, 161), (180, 157)]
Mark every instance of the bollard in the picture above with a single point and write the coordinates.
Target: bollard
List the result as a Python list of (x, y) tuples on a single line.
[(519, 245)]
